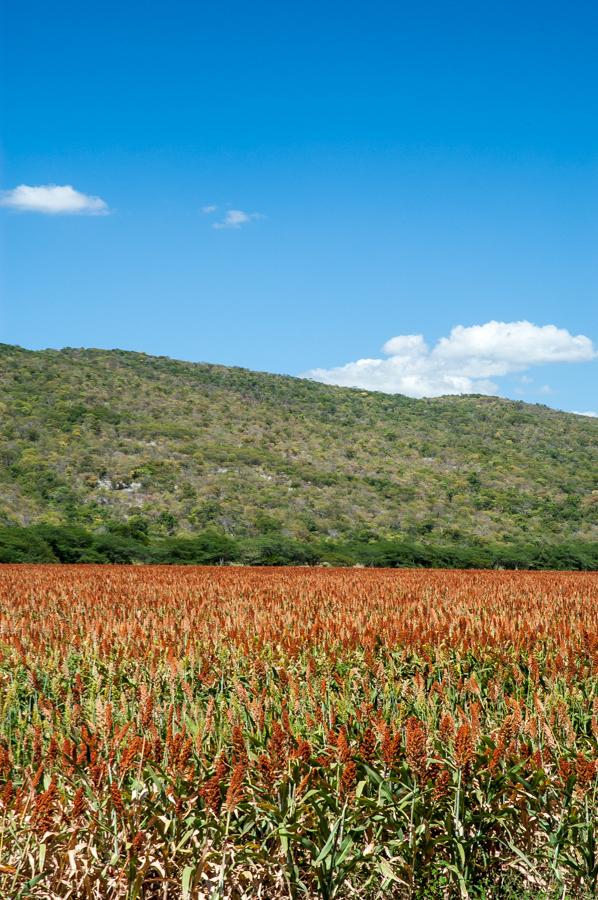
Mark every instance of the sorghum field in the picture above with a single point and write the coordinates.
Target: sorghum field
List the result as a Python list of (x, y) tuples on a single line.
[(233, 732)]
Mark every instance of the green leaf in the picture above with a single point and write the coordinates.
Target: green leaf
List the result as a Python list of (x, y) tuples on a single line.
[(324, 852), (387, 871), (186, 881)]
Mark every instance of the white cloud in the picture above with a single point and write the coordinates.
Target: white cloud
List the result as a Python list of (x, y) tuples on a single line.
[(462, 363), (234, 218), (498, 348), (53, 199), (207, 210), (590, 414)]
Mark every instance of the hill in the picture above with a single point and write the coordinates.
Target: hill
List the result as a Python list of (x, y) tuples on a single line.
[(109, 440)]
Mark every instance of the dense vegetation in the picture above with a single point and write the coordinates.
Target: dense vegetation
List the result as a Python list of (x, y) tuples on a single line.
[(130, 543), (146, 458), (293, 734)]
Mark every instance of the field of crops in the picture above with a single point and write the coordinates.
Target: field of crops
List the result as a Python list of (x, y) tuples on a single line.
[(232, 732)]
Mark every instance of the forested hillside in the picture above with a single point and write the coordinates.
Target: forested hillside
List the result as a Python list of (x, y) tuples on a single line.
[(121, 442)]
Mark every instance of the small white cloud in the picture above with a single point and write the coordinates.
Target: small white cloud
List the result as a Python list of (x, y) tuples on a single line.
[(208, 210), (462, 363), (590, 414), (406, 345), (498, 348), (53, 199), (235, 218)]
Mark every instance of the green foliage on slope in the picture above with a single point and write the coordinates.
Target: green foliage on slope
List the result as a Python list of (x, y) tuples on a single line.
[(105, 439)]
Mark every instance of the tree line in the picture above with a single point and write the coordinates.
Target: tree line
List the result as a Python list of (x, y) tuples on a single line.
[(131, 543)]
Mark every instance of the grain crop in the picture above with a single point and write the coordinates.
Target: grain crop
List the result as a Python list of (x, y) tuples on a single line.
[(232, 732)]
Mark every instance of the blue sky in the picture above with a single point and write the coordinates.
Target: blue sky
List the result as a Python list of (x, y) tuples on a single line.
[(386, 170)]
